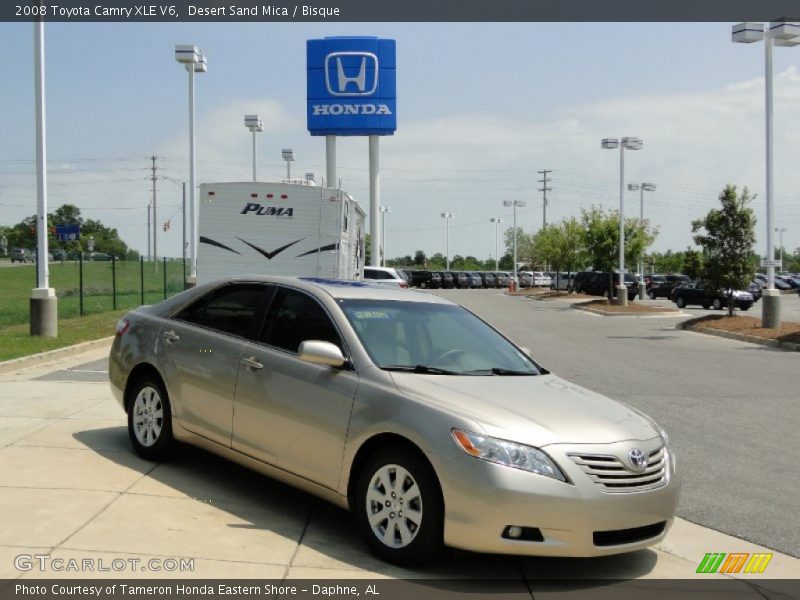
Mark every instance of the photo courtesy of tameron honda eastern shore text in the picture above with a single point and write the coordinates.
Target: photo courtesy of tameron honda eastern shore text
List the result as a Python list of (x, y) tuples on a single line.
[(423, 420)]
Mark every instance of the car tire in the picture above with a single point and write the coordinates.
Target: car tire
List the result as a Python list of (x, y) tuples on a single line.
[(680, 302), (651, 294), (717, 304), (150, 420), (394, 538), (746, 307)]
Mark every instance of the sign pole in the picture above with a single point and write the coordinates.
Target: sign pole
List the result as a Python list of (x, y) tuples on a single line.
[(330, 160), (374, 199)]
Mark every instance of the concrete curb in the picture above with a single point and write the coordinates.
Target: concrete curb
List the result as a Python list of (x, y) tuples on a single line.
[(691, 325), (606, 313), (34, 359)]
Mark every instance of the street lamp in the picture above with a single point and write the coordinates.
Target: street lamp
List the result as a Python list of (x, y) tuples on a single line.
[(447, 216), (642, 187), (496, 221), (626, 143), (193, 61), (384, 210), (182, 185), (515, 204), (288, 156), (780, 231), (254, 124), (777, 34)]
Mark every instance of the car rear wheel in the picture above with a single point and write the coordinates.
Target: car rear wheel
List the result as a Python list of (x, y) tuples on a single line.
[(399, 508), (681, 303), (717, 304), (150, 420), (651, 294)]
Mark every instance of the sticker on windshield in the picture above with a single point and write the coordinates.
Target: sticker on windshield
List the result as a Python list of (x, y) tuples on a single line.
[(371, 314)]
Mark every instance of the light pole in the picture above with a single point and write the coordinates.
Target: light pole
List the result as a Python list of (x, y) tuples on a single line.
[(626, 143), (254, 124), (182, 185), (642, 187), (515, 204), (496, 221), (777, 34), (384, 210), (193, 61), (447, 216), (288, 156), (780, 231)]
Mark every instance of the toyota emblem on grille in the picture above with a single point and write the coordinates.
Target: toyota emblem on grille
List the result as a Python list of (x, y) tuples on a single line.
[(638, 459)]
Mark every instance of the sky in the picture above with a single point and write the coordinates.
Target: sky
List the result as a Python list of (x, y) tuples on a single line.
[(481, 108)]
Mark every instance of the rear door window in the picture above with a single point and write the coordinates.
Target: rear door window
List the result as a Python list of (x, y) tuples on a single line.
[(231, 309)]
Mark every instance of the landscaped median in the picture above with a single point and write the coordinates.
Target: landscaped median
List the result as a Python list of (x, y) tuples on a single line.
[(632, 309), (746, 329)]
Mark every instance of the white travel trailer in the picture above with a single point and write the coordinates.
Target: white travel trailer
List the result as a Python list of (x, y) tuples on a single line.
[(289, 228)]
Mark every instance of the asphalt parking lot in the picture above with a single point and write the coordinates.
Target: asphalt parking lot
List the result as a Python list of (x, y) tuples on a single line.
[(72, 487)]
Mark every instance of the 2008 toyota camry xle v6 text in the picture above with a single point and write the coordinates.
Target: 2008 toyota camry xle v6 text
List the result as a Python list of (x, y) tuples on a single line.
[(422, 419)]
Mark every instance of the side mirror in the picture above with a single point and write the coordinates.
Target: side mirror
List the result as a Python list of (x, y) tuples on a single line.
[(321, 353)]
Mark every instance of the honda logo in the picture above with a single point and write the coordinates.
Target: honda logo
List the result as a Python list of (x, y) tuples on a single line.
[(351, 73)]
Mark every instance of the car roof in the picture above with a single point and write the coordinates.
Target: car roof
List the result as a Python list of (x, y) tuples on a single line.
[(341, 288)]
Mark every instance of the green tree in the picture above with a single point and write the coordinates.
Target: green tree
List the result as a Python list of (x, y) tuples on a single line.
[(601, 238), (525, 250), (692, 263), (561, 245), (727, 236), (419, 258)]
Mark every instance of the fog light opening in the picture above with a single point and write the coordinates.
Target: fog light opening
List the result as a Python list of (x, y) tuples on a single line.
[(522, 534)]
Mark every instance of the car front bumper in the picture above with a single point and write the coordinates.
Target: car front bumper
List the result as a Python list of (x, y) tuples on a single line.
[(482, 499)]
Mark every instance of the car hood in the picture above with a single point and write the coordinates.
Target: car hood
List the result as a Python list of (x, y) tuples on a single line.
[(537, 410)]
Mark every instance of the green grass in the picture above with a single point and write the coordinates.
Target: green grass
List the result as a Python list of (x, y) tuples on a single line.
[(16, 341), (17, 282)]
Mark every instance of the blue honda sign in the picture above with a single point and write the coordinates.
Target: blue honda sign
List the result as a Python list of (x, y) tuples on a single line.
[(351, 86)]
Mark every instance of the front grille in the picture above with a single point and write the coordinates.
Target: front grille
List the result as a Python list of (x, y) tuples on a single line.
[(628, 536), (613, 476)]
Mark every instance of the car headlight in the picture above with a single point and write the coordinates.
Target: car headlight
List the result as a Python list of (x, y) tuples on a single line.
[(510, 454)]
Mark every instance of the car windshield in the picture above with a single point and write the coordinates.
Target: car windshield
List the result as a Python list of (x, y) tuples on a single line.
[(431, 338)]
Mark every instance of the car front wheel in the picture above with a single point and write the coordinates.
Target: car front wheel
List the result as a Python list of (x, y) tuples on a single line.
[(399, 507), (717, 304), (150, 420), (680, 302), (651, 294)]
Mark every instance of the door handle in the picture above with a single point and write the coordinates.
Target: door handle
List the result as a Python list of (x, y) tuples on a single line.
[(252, 363), (171, 336)]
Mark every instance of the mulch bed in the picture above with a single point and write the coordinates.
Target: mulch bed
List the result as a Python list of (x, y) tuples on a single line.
[(632, 307), (787, 332)]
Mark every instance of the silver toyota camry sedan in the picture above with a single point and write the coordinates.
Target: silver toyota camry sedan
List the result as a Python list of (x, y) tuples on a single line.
[(427, 423)]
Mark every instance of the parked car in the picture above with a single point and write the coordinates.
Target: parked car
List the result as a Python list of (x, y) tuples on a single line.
[(487, 280), (562, 281), (604, 283), (794, 282), (405, 274), (540, 279), (447, 279), (385, 276), (525, 279), (407, 409), (426, 279), (21, 255), (663, 286), (695, 293), (653, 280), (755, 290), (501, 279), (475, 280), (461, 279)]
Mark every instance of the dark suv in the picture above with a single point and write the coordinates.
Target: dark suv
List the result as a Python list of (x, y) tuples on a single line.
[(426, 279), (597, 283), (447, 279), (461, 280), (487, 279)]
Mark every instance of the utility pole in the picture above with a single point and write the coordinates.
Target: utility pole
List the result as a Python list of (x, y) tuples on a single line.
[(155, 214), (544, 189)]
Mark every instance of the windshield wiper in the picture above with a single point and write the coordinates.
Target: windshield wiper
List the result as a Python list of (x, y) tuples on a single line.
[(423, 369), (500, 371)]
